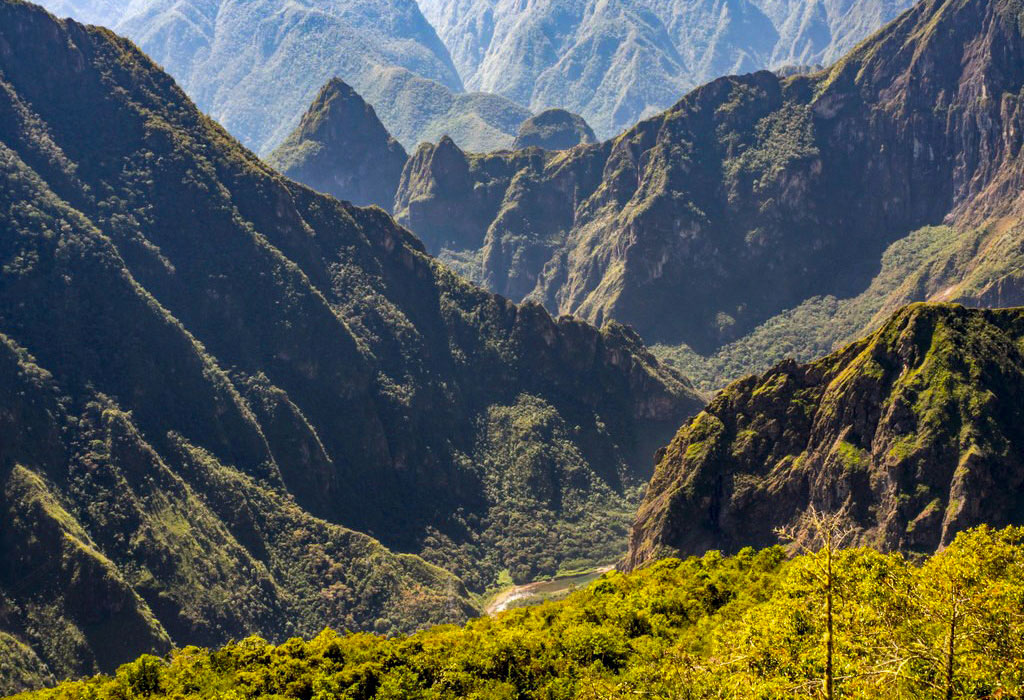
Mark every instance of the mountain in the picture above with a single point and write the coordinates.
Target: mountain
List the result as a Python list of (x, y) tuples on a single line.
[(753, 625), (913, 434), (341, 148), (416, 110), (554, 130), (103, 12), (822, 31), (618, 61), (256, 66), (765, 216), (215, 379)]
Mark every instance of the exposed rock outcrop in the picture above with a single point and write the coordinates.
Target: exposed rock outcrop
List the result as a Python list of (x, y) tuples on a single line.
[(913, 434)]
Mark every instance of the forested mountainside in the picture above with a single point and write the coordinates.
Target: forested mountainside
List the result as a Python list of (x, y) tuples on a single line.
[(341, 148), (765, 216), (618, 61), (554, 130), (753, 625), (913, 434), (211, 372)]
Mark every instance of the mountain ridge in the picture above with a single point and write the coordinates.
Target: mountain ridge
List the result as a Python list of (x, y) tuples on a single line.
[(617, 62), (736, 191), (233, 401)]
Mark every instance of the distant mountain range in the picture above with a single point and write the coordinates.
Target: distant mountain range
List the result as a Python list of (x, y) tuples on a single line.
[(228, 402), (618, 61), (255, 67), (342, 148)]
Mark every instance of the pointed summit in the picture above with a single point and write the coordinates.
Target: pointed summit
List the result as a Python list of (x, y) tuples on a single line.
[(341, 148)]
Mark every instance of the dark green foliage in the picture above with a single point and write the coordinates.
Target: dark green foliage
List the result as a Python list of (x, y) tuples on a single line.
[(913, 434), (710, 627), (213, 379)]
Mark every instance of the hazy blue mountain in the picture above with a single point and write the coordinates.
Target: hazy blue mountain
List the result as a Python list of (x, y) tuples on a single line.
[(416, 109), (618, 61), (341, 148), (255, 66)]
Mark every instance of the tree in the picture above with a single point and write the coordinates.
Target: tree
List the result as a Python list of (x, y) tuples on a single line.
[(821, 535), (969, 605)]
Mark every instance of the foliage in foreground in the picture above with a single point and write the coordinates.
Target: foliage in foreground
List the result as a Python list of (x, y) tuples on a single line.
[(749, 626)]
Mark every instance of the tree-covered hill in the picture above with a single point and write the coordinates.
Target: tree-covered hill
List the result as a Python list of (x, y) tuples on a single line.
[(214, 379), (750, 626), (912, 434), (554, 130)]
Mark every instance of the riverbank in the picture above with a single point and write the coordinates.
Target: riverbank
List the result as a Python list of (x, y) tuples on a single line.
[(540, 591)]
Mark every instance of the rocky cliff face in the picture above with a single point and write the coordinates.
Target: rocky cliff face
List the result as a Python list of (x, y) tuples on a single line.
[(341, 148), (512, 212), (757, 193), (913, 434), (214, 380), (554, 130)]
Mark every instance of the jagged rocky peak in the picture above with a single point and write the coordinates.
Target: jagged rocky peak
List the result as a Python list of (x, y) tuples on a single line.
[(341, 148), (554, 130), (913, 434)]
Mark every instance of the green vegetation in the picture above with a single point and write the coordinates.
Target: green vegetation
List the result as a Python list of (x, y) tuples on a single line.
[(935, 262), (752, 625), (910, 432), (233, 406)]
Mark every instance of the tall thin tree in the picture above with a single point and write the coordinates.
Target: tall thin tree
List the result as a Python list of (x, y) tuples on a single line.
[(822, 535)]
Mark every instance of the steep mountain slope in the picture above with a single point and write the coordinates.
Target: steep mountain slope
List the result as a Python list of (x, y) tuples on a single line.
[(256, 66), (554, 130), (210, 372), (618, 61), (757, 195), (913, 434), (342, 149)]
